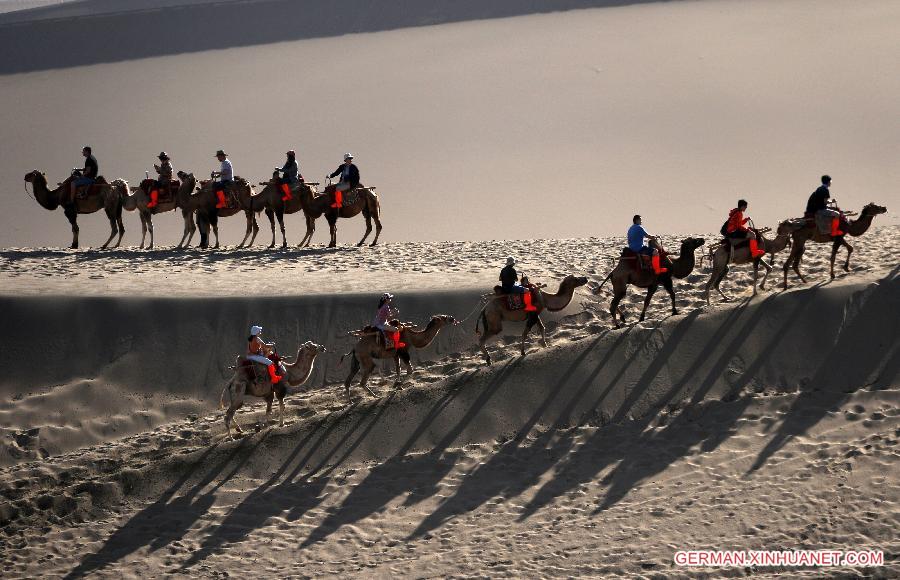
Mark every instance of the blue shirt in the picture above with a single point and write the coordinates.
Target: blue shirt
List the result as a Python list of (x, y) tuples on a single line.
[(636, 235)]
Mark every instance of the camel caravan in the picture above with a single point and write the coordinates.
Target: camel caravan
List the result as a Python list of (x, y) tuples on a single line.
[(204, 201), (261, 372)]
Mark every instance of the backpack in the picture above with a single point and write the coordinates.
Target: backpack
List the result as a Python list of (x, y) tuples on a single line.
[(724, 229)]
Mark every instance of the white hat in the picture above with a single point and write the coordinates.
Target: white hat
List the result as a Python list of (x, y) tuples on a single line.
[(510, 261), (348, 156), (387, 296), (255, 330)]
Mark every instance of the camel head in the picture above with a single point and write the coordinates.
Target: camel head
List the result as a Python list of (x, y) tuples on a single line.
[(309, 348), (572, 281), (275, 176), (34, 175), (872, 209), (691, 244)]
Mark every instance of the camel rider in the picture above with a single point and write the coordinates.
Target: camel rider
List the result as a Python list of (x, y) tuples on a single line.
[(509, 282), (817, 207), (259, 351), (386, 311), (636, 235), (88, 175), (290, 174), (225, 176), (349, 179), (164, 171), (736, 229)]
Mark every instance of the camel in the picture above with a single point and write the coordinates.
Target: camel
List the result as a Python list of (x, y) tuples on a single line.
[(810, 232), (276, 208), (369, 347), (106, 196), (360, 200), (207, 215), (723, 254), (495, 311), (140, 197), (245, 381), (627, 272)]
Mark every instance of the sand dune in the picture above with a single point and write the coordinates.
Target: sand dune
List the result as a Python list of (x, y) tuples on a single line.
[(770, 420)]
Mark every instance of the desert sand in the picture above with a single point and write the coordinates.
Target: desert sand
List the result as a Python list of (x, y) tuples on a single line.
[(762, 423), (531, 129)]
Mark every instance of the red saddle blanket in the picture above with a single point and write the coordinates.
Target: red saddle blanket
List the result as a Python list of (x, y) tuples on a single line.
[(639, 261), (513, 301), (165, 193)]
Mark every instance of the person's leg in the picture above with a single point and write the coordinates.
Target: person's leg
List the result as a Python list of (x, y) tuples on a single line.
[(220, 194), (656, 261), (286, 190), (339, 190), (154, 195)]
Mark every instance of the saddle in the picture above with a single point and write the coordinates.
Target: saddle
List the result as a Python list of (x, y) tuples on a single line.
[(513, 301), (383, 339), (166, 194), (256, 371), (231, 194), (96, 188), (640, 262), (350, 196)]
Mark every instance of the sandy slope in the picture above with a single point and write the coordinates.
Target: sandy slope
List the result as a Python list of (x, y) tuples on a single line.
[(765, 423), (537, 126)]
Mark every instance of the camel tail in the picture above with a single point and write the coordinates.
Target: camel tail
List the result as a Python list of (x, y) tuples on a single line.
[(481, 316), (605, 280)]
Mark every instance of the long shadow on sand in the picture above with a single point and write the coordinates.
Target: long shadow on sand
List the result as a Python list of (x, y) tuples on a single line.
[(47, 38), (167, 520), (866, 354)]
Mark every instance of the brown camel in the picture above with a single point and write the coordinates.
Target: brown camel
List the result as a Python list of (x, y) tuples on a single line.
[(140, 197), (106, 196), (247, 381), (276, 208), (208, 216), (496, 310), (627, 272), (723, 254), (360, 200), (370, 347), (810, 232)]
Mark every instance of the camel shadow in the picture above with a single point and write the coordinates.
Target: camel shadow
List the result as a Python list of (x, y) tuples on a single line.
[(866, 354), (168, 518)]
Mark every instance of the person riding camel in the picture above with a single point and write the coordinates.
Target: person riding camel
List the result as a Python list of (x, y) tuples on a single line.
[(636, 235), (86, 176), (737, 231), (290, 174), (386, 311), (818, 208), (349, 179), (165, 171), (259, 351), (225, 177), (509, 279)]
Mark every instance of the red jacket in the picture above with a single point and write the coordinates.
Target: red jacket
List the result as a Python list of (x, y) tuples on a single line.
[(736, 221)]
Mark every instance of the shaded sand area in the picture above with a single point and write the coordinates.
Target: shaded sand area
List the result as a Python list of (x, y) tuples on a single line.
[(769, 423)]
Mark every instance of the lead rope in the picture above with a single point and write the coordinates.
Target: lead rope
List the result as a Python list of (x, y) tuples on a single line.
[(481, 303)]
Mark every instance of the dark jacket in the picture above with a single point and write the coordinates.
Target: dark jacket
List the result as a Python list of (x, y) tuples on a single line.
[(354, 174), (291, 171), (91, 169), (508, 278), (818, 200)]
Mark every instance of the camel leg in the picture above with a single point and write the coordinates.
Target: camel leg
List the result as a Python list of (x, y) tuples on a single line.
[(249, 229), (188, 218), (271, 215), (651, 290), (120, 224), (669, 285), (368, 228), (214, 222), (762, 285), (377, 219), (367, 369), (488, 334), (143, 229), (397, 380), (280, 215), (150, 228), (255, 231), (793, 260), (332, 225), (835, 246), (354, 368), (269, 400), (404, 356), (849, 251), (713, 281), (543, 329), (72, 216), (281, 411), (614, 307), (719, 280), (113, 229), (310, 228)]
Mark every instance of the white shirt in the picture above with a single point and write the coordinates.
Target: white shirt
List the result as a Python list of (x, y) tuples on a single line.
[(227, 172)]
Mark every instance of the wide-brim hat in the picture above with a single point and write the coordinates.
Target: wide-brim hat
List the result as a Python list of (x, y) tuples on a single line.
[(220, 152), (387, 296), (255, 330), (510, 261), (348, 156), (163, 156), (290, 152)]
